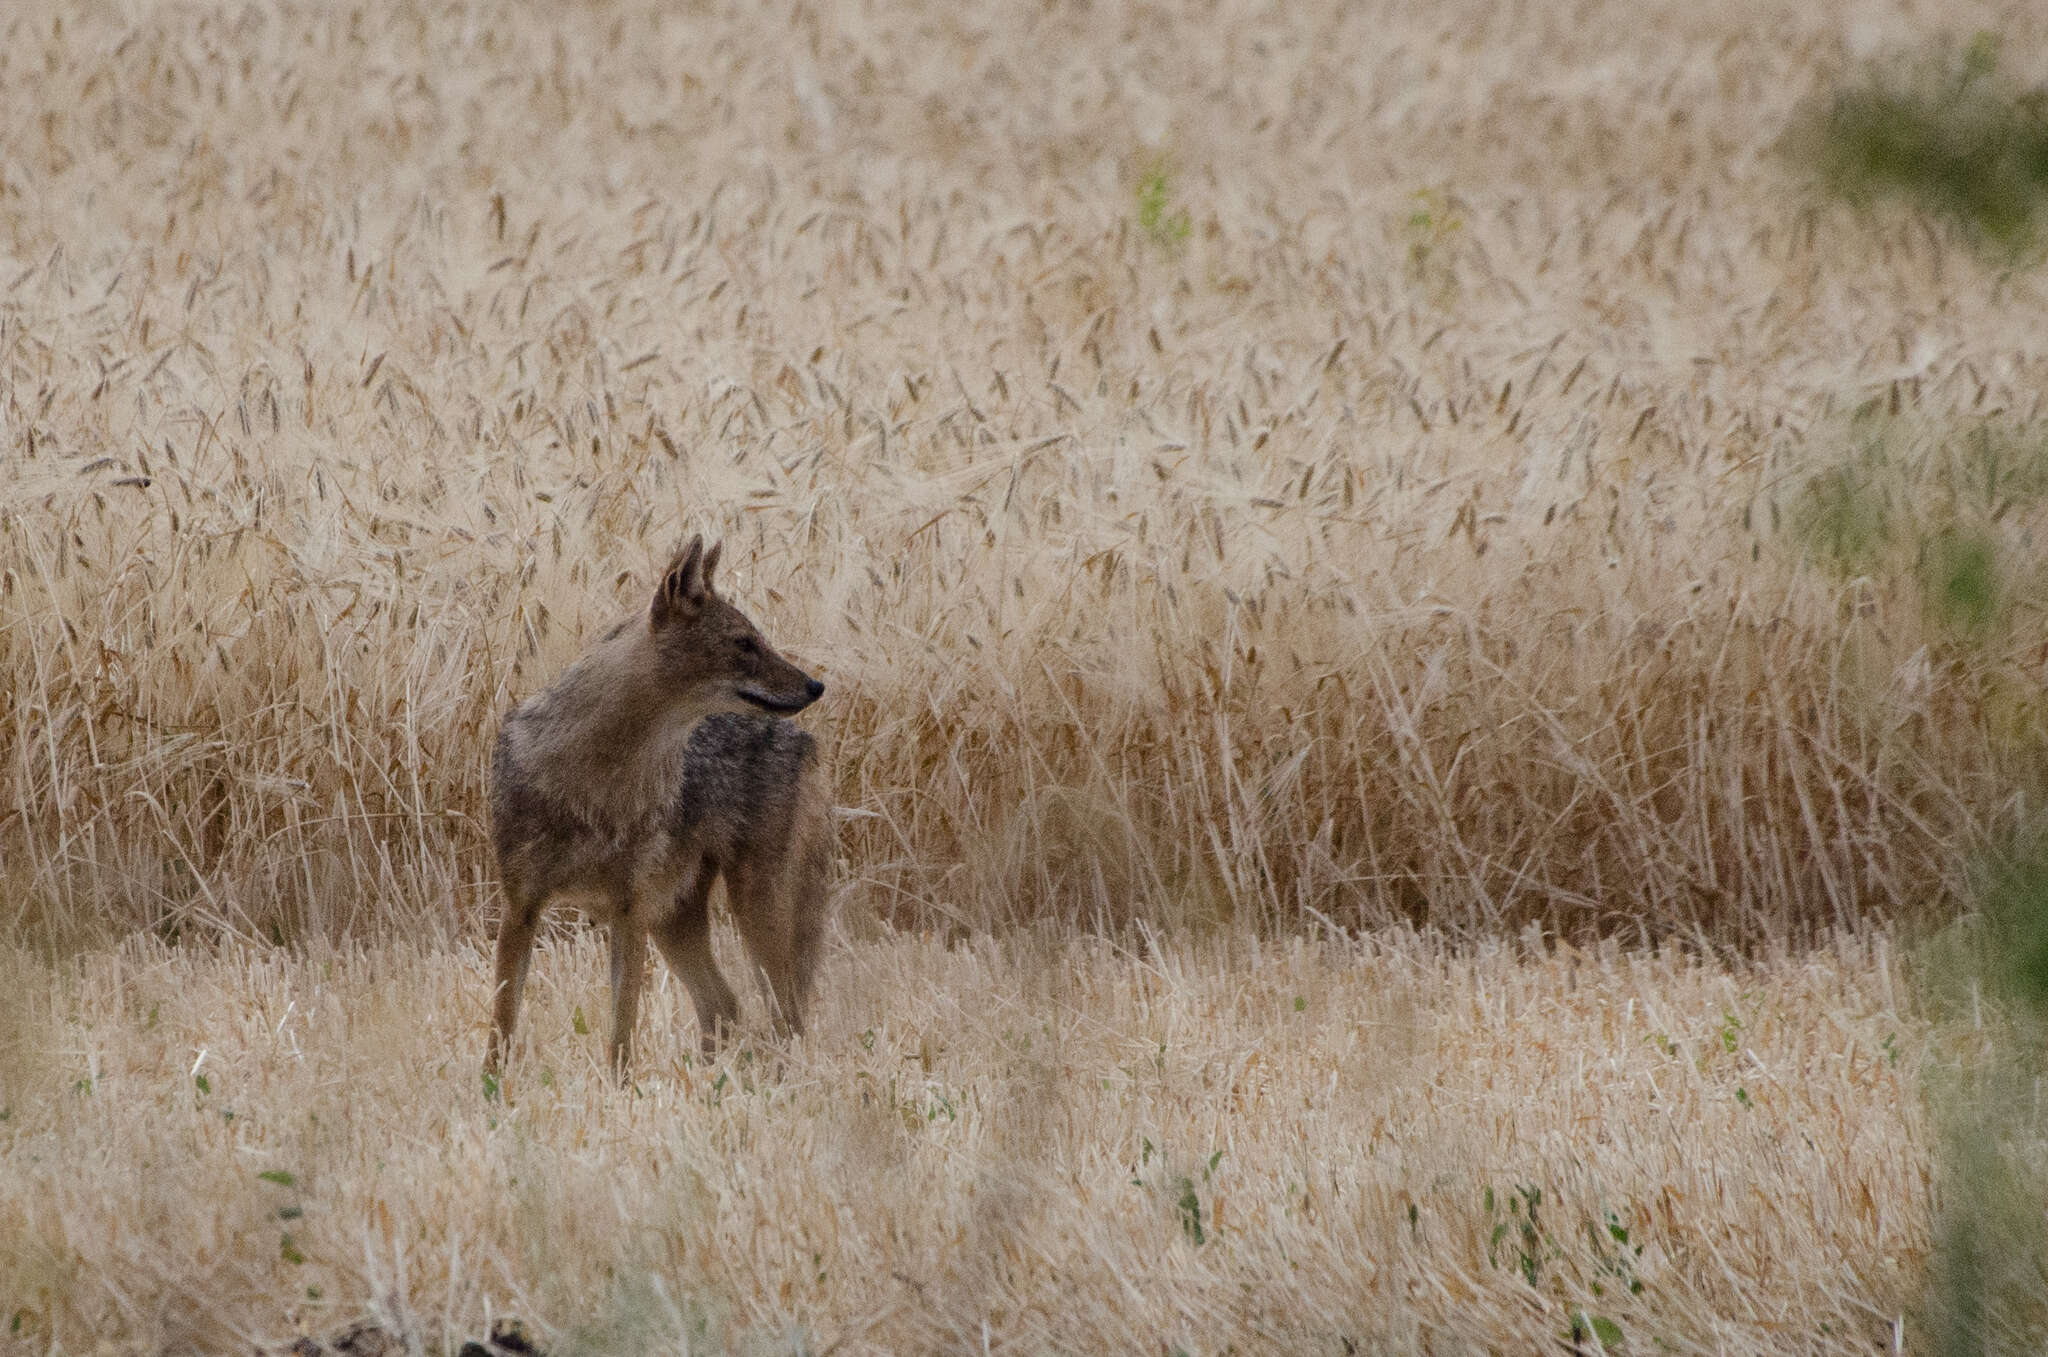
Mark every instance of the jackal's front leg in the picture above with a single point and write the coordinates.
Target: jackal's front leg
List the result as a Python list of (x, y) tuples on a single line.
[(629, 972), (515, 950)]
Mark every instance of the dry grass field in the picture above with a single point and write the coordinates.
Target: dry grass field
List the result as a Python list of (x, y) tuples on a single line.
[(1417, 622), (1037, 1146)]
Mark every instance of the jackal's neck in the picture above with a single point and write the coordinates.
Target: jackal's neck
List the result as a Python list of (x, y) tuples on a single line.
[(607, 740)]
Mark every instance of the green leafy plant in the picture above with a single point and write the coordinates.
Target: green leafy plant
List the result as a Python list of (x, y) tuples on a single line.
[(1610, 1239), (1731, 1032), (1944, 130), (1158, 217), (1517, 1239), (1947, 509), (1600, 1327), (1432, 229), (1964, 579), (1988, 975), (1182, 1189)]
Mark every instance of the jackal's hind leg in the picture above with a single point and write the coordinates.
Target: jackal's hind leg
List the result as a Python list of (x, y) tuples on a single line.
[(761, 908), (806, 893), (685, 942)]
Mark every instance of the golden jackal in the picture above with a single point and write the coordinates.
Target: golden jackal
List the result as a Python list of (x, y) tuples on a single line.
[(645, 773)]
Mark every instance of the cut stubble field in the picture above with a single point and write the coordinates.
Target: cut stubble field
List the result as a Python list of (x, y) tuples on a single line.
[(1043, 1143), (1415, 624)]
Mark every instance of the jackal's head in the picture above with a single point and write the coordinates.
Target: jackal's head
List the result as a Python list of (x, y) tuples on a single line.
[(705, 643)]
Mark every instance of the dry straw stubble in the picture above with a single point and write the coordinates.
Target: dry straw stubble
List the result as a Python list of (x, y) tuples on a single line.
[(1287, 1146)]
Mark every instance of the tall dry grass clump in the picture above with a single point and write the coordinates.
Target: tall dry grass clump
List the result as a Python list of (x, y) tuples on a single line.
[(1255, 472)]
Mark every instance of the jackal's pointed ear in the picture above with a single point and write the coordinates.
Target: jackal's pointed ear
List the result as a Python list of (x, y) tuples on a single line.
[(683, 588), (711, 564)]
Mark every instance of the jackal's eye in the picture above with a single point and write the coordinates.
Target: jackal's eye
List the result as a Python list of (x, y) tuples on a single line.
[(746, 645)]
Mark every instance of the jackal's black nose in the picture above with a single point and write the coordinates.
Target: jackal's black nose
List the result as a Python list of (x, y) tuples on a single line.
[(814, 688)]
